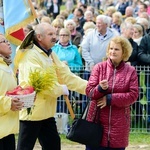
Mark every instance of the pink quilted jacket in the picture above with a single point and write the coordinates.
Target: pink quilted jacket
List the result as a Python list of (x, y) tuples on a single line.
[(122, 92)]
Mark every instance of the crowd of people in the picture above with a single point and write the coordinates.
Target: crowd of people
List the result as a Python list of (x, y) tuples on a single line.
[(105, 40)]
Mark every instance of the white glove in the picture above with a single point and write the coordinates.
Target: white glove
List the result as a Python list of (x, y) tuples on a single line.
[(65, 90)]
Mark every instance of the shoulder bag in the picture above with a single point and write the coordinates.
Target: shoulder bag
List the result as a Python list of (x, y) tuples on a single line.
[(85, 132)]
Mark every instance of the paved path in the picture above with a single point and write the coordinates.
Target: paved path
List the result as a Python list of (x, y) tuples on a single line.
[(82, 147)]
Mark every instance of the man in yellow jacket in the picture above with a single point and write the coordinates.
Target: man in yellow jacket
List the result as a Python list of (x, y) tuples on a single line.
[(41, 122), (9, 107)]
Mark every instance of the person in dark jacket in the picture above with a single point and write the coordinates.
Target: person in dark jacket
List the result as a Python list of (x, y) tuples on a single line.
[(122, 6), (78, 12), (144, 60), (54, 9), (127, 32), (113, 86)]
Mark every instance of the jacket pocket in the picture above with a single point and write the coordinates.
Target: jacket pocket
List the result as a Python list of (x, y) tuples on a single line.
[(127, 115)]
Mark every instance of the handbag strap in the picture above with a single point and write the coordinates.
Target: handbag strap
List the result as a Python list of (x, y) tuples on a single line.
[(96, 112), (84, 114)]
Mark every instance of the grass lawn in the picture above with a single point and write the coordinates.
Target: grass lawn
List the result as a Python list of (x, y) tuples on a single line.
[(63, 7), (139, 138), (135, 139)]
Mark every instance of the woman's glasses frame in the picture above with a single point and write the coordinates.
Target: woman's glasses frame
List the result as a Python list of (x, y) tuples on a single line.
[(3, 41), (64, 35)]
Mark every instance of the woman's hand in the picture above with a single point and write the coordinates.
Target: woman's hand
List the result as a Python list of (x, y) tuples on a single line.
[(102, 102), (16, 104), (104, 84)]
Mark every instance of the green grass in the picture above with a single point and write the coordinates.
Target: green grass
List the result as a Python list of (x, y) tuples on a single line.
[(135, 139), (139, 138), (63, 7)]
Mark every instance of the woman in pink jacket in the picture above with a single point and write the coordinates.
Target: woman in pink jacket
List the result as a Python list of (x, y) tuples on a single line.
[(114, 87)]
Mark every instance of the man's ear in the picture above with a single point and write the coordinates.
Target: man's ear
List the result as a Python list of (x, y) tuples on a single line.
[(39, 37)]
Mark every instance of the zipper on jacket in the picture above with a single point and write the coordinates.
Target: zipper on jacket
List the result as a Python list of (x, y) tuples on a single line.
[(110, 110)]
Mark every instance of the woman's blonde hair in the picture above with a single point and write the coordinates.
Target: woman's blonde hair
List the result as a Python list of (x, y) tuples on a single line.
[(140, 28), (125, 44), (64, 13), (119, 16), (57, 22), (131, 20), (46, 19), (69, 21), (88, 25), (111, 9), (65, 30)]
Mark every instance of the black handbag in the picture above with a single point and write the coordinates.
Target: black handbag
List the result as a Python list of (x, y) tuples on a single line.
[(85, 132)]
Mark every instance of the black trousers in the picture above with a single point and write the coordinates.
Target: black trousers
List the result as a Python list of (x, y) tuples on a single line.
[(44, 130), (8, 142)]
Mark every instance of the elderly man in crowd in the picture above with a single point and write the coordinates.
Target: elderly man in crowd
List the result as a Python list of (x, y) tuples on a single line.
[(95, 44)]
